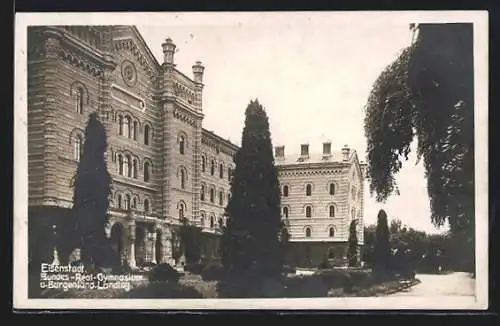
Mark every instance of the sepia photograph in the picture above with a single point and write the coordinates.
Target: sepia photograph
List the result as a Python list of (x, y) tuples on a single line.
[(293, 160)]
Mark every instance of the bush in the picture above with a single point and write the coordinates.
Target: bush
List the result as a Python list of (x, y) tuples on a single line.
[(194, 268), (245, 285), (212, 271), (164, 273), (324, 265)]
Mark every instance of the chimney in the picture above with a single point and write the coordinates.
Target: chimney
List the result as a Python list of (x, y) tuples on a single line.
[(198, 72), (279, 152), (168, 51), (327, 149), (345, 153), (362, 165), (304, 150)]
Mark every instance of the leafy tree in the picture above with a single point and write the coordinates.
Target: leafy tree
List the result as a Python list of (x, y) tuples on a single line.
[(428, 93), (252, 236), (382, 250), (92, 187), (352, 249)]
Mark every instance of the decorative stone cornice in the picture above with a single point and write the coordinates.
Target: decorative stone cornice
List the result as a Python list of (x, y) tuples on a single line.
[(218, 143), (128, 44), (81, 62), (184, 116), (307, 172)]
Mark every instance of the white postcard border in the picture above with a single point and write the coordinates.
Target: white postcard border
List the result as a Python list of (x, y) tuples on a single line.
[(20, 216)]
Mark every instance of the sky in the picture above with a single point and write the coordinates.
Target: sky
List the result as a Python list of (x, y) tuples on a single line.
[(312, 74)]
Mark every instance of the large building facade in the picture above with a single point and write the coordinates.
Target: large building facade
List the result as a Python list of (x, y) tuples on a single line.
[(321, 193), (164, 165)]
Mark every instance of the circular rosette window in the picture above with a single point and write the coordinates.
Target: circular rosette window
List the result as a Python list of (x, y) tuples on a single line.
[(129, 73)]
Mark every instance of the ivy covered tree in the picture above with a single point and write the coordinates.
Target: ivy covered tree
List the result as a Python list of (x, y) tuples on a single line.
[(382, 250), (92, 187), (352, 249), (252, 240), (427, 93)]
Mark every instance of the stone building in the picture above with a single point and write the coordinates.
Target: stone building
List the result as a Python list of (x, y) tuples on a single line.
[(321, 193), (165, 166)]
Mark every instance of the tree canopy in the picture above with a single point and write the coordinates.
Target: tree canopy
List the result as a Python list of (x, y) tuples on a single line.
[(253, 236), (427, 93)]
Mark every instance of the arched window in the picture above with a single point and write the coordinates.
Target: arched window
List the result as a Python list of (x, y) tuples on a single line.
[(308, 232), (134, 130), (221, 223), (228, 198), (332, 189), (212, 167), (120, 125), (212, 195), (77, 148), (331, 211), (308, 211), (120, 164), (147, 171), (126, 127), (128, 166), (119, 200), (212, 222), (221, 198), (79, 101), (285, 191), (229, 171), (134, 169), (146, 135), (202, 193), (182, 144), (285, 212), (146, 205), (331, 232), (127, 202), (181, 210), (134, 202), (203, 163), (308, 190), (221, 171), (183, 179)]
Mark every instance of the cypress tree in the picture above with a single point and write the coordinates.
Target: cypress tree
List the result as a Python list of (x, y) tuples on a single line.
[(91, 193), (252, 239), (352, 249), (382, 252)]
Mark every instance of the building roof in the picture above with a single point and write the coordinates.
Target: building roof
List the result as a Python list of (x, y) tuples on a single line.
[(214, 136), (294, 159)]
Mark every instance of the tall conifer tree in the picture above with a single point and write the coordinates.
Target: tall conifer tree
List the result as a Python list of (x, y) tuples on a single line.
[(252, 239), (92, 188), (352, 249), (382, 245)]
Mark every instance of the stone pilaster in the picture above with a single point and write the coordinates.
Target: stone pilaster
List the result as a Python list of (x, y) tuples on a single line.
[(168, 107), (153, 251), (131, 257), (51, 50), (196, 170)]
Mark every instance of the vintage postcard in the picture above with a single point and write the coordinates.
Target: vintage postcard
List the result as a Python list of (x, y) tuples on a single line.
[(272, 160)]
